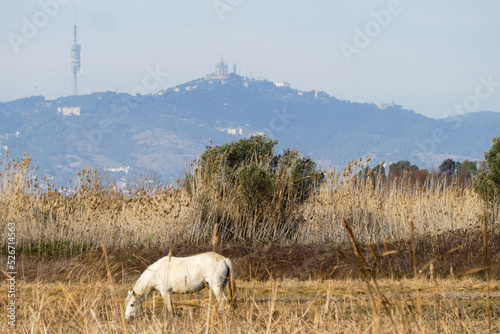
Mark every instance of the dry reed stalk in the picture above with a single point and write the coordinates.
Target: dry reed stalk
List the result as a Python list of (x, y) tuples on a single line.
[(327, 303), (486, 265), (374, 253), (214, 237), (413, 247), (215, 314), (363, 265), (388, 254), (274, 293), (415, 272), (209, 321)]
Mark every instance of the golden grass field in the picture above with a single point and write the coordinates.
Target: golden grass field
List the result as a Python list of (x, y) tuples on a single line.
[(362, 257), (90, 305)]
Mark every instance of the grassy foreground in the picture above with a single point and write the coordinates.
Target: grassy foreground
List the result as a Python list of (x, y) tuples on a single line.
[(85, 294), (91, 305), (374, 255)]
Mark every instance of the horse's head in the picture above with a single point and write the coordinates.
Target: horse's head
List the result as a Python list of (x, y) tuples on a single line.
[(133, 304)]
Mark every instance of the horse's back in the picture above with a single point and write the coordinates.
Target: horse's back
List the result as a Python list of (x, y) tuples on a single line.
[(208, 257), (204, 263), (190, 273)]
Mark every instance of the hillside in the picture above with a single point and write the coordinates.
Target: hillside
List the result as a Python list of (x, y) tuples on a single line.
[(166, 131)]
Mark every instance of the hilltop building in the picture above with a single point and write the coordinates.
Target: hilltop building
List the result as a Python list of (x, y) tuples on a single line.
[(68, 111), (221, 70), (231, 131), (282, 84), (391, 104)]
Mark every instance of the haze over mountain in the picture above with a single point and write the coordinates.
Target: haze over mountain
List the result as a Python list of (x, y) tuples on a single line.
[(424, 57), (164, 132)]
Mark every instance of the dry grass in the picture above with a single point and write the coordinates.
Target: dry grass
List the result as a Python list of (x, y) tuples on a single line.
[(382, 211), (370, 223), (94, 305)]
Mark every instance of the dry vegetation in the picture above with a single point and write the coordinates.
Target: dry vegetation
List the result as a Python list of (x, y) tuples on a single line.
[(350, 237), (88, 303), (85, 215)]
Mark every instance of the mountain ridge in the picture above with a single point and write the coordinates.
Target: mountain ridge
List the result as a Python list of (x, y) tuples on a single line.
[(165, 131)]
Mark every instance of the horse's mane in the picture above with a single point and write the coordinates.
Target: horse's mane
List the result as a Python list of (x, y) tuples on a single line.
[(145, 283)]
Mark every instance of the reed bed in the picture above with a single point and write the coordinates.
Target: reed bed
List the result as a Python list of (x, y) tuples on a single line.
[(378, 209), (83, 215)]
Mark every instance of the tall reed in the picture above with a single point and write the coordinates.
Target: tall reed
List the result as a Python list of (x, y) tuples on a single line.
[(83, 215)]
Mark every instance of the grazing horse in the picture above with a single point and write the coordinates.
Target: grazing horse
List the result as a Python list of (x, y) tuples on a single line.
[(182, 275)]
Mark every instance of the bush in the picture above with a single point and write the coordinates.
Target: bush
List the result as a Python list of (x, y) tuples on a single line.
[(244, 185), (256, 184), (487, 182)]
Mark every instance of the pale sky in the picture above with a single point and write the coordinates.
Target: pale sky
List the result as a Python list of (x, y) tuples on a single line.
[(429, 56)]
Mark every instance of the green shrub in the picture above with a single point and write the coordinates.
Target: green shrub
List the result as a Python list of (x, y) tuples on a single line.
[(487, 182), (244, 185), (256, 184)]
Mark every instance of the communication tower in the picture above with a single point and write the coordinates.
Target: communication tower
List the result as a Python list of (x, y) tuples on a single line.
[(75, 59)]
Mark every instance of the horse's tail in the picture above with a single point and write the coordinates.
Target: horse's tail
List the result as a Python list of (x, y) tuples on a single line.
[(231, 287)]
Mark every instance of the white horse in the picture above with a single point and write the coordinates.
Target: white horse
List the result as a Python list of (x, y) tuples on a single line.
[(182, 275)]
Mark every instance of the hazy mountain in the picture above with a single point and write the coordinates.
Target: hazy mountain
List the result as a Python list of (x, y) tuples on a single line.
[(166, 131)]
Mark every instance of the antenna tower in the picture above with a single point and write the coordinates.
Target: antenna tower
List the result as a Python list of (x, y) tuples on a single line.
[(75, 59)]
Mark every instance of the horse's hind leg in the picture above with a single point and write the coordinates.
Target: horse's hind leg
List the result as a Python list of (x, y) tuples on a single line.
[(167, 299), (219, 295), (217, 292)]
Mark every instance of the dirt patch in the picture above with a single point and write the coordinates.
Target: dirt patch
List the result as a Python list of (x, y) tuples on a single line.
[(450, 254)]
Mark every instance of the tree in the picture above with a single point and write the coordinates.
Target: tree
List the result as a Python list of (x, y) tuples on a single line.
[(448, 167), (246, 181), (487, 182), (399, 168), (379, 170), (467, 168), (371, 173), (403, 165), (257, 149), (465, 171), (252, 164)]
